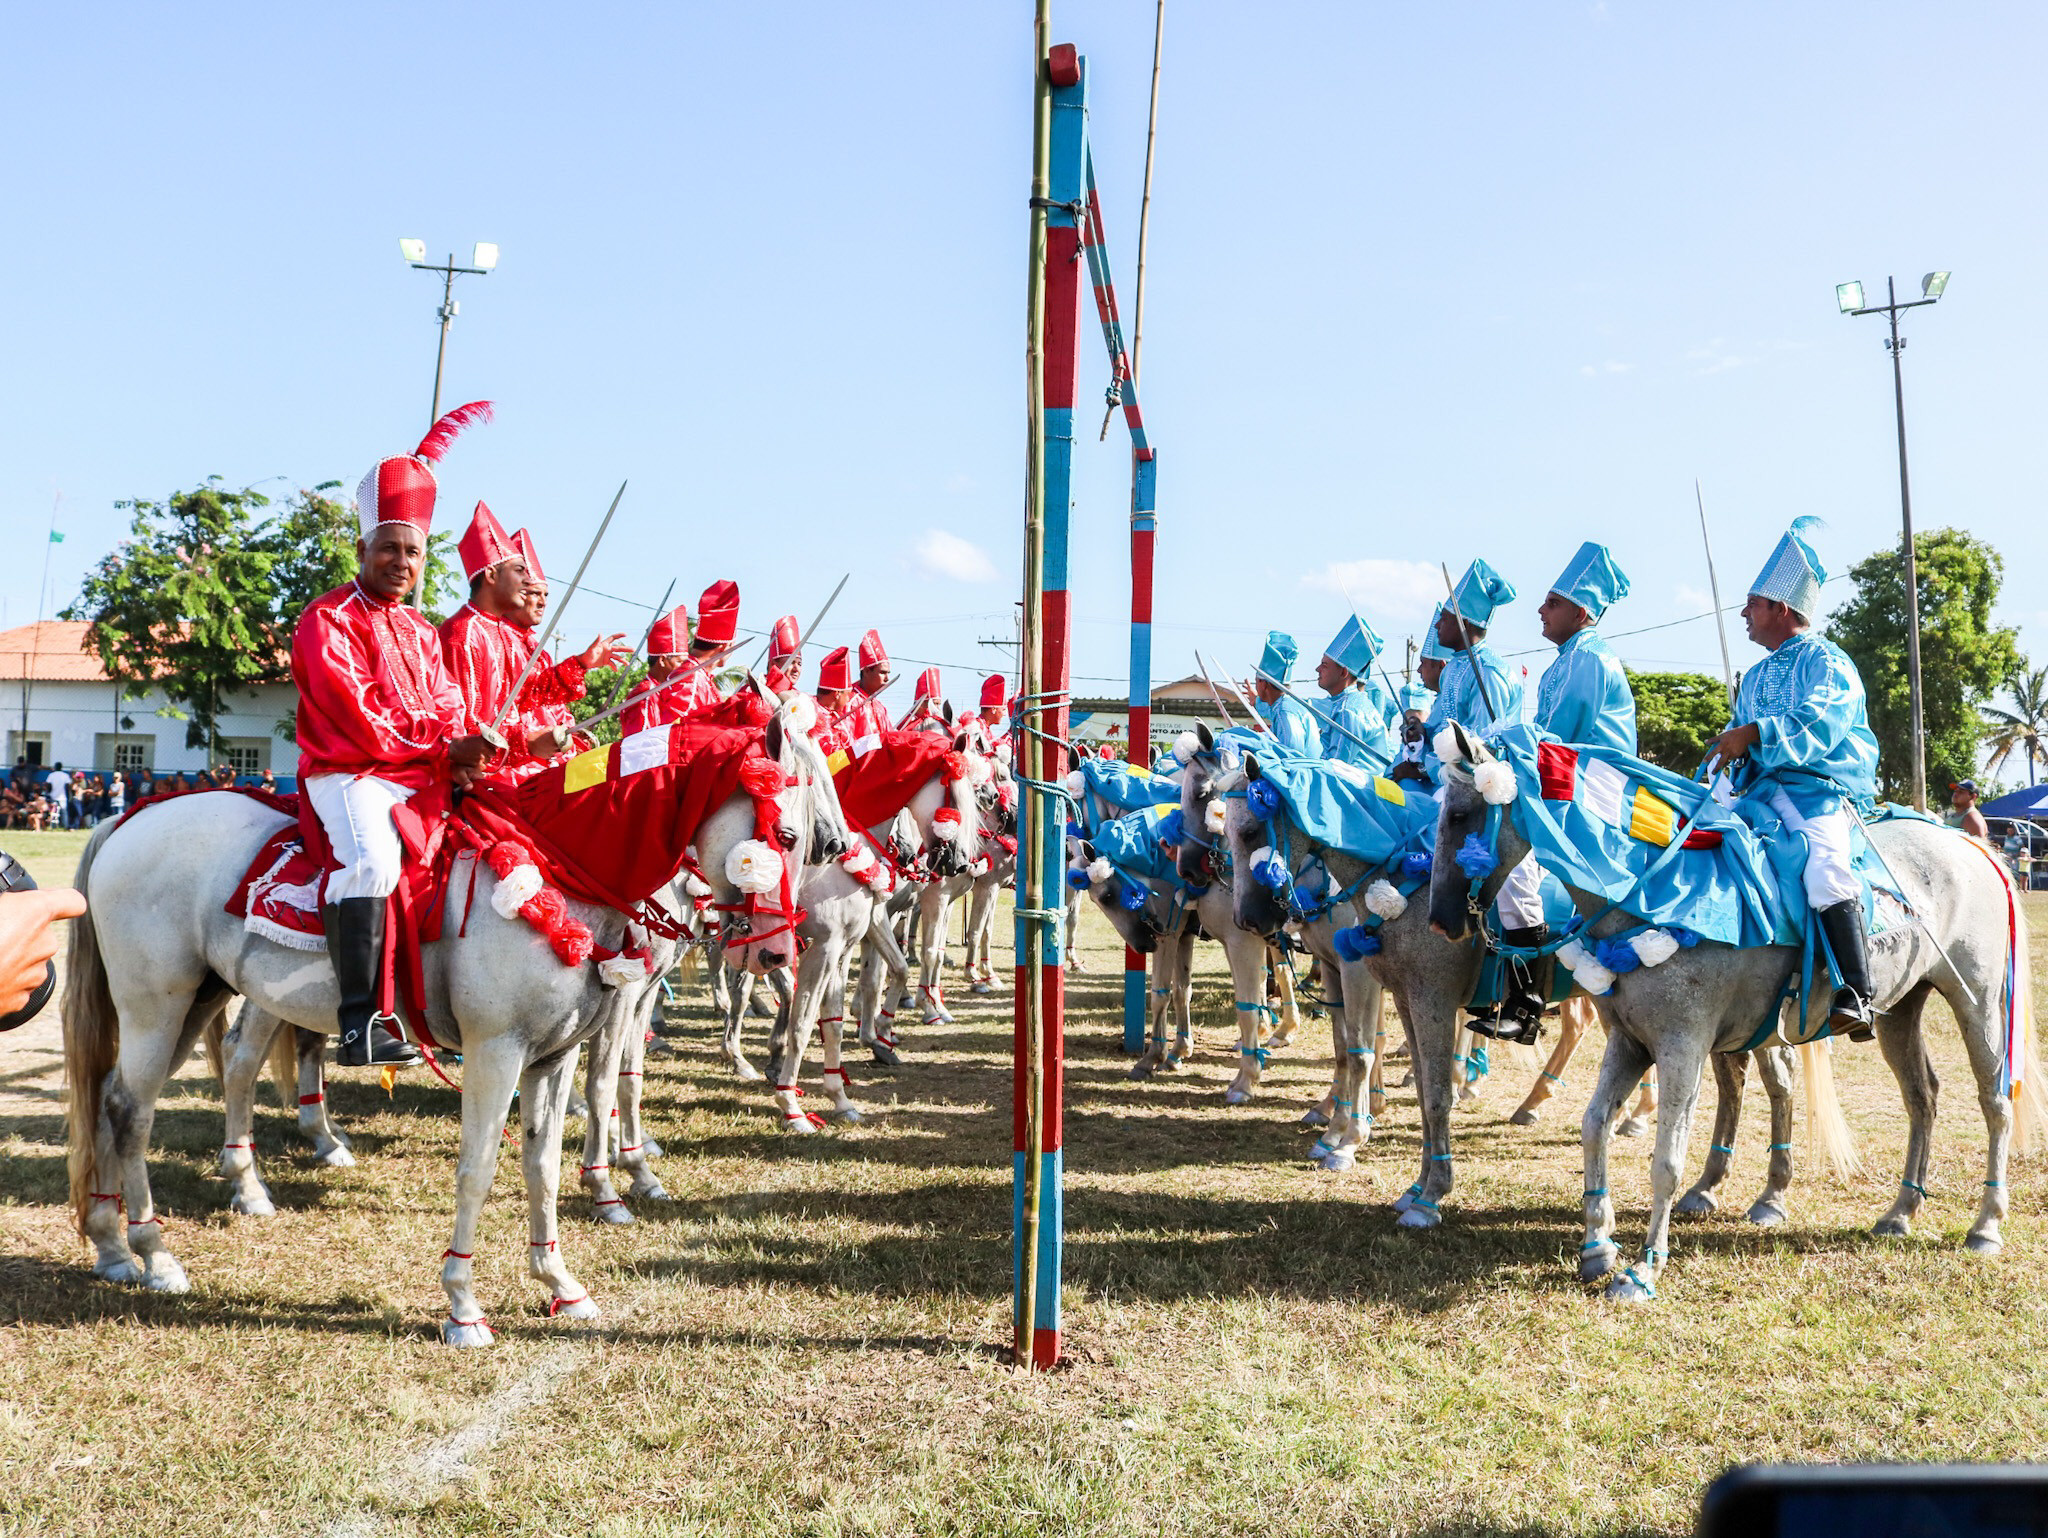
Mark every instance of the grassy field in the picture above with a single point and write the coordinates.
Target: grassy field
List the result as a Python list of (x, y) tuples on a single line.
[(802, 1341)]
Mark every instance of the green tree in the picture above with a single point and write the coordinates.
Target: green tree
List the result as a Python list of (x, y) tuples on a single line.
[(2024, 728), (1677, 714), (601, 686), (1964, 658)]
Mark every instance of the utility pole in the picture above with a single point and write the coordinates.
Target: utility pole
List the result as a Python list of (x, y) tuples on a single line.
[(1849, 296), (483, 258)]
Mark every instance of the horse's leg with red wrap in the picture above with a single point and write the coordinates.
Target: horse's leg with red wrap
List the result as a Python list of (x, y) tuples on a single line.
[(831, 1028), (543, 1104), (933, 904), (635, 1147), (248, 1047), (739, 989), (825, 955), (882, 957), (600, 1096), (490, 1073)]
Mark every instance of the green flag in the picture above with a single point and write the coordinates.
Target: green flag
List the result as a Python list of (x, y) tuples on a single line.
[(56, 538)]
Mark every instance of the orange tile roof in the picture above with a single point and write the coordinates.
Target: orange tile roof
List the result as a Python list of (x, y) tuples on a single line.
[(51, 650)]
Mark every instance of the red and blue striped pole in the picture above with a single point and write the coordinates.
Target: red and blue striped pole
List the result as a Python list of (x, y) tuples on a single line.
[(1144, 523), (1059, 151)]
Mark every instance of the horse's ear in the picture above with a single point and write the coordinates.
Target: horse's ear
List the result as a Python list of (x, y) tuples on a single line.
[(1205, 737), (1087, 851), (946, 710), (773, 742), (960, 741), (1465, 748), (1251, 766)]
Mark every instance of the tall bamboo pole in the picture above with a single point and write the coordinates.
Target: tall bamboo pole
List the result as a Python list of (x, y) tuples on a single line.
[(1145, 204)]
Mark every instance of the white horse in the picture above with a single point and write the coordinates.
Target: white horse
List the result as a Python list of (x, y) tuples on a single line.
[(158, 957)]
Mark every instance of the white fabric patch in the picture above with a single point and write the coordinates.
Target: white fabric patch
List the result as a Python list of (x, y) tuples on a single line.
[(643, 750), (1384, 900), (1601, 790), (521, 885), (1654, 947)]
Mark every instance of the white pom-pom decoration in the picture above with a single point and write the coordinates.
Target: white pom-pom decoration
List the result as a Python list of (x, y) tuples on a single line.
[(696, 885), (1003, 754), (979, 771), (1186, 746), (1100, 870), (519, 886), (1496, 782), (1213, 816), (754, 866), (1077, 785), (801, 712), (858, 859), (617, 971), (980, 867), (946, 824), (1654, 947), (1384, 900), (1586, 972), (1446, 746)]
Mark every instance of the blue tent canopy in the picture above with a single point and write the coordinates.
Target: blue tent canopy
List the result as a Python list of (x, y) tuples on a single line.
[(2031, 802)]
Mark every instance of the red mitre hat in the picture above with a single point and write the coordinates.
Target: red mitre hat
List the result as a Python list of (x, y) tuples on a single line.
[(670, 634), (872, 652), (718, 613), (483, 544), (836, 671), (782, 640), (401, 489), (993, 688), (523, 543), (927, 685)]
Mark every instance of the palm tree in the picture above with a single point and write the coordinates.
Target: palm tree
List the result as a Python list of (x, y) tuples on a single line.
[(2023, 727)]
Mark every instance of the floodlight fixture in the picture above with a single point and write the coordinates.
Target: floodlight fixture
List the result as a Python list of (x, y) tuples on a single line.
[(414, 251), (1849, 296), (485, 256), (1932, 285)]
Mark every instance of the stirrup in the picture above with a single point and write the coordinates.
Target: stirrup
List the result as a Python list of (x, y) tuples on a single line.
[(1850, 1013)]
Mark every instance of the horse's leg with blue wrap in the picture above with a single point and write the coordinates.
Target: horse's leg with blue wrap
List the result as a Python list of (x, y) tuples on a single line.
[(1621, 1066), (1350, 1116), (1731, 1073), (1777, 1067), (1681, 1056), (1246, 953), (1289, 1019), (1183, 999), (1904, 1045)]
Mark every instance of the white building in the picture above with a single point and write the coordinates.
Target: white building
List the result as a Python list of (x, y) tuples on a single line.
[(60, 707)]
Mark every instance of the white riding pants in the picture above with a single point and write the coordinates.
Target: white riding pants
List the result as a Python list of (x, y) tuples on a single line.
[(1829, 879), (356, 812), (1520, 904)]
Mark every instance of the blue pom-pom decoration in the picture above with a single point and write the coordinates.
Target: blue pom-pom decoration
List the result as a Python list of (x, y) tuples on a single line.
[(1172, 827), (1307, 899), (1131, 896), (1477, 1065), (1077, 878), (1263, 799), (1685, 937), (1475, 859), (1415, 864), (1356, 943), (1075, 830), (1618, 956), (1272, 875)]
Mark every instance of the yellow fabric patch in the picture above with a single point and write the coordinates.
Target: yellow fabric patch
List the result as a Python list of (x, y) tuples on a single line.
[(1651, 818), (586, 770), (1390, 790), (837, 762)]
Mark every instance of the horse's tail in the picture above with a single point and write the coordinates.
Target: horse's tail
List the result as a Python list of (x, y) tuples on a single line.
[(2023, 1049), (213, 1039), (92, 1038), (284, 1065), (1829, 1142)]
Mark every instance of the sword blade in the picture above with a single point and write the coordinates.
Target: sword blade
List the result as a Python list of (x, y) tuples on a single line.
[(555, 614)]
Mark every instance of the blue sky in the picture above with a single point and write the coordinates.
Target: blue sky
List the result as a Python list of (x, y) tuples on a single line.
[(1426, 282)]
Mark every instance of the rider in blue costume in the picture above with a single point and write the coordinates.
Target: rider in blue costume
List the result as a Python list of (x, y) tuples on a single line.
[(1461, 630), (1806, 749), (1583, 697), (1294, 729), (1355, 730)]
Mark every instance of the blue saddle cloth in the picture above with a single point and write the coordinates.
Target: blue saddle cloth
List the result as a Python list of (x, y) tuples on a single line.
[(1364, 815), (1127, 787), (1131, 843)]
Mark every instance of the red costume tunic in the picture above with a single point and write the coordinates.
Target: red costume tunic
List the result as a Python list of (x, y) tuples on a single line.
[(485, 654), (374, 694), (830, 732), (687, 691), (863, 721)]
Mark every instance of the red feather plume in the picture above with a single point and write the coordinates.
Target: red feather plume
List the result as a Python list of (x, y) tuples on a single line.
[(445, 431)]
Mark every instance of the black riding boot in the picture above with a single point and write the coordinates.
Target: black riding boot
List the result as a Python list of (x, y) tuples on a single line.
[(355, 941), (1841, 925), (1525, 991)]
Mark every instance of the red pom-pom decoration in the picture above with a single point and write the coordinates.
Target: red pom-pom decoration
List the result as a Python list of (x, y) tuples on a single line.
[(506, 855), (762, 779), (953, 767), (572, 942), (546, 910)]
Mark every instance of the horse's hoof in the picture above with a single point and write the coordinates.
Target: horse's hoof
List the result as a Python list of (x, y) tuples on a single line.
[(1983, 1244), (475, 1333), (799, 1127), (1338, 1161), (163, 1274), (1404, 1201), (1697, 1204), (1528, 1116), (652, 1191), (1635, 1126), (613, 1212), (1418, 1216), (1467, 1095), (745, 1072), (980, 989), (1236, 1096), (940, 1016), (336, 1157), (850, 1115), (1313, 1118), (1596, 1264), (649, 1149), (1767, 1214), (886, 1056), (906, 1001), (126, 1273), (1407, 1081), (252, 1206), (1891, 1228), (1626, 1289), (1142, 1068), (576, 1308)]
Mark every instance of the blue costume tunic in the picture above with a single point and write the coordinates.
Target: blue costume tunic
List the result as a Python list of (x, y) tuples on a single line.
[(1807, 702), (1584, 695), (1293, 727), (1389, 712), (1458, 698), (1360, 717)]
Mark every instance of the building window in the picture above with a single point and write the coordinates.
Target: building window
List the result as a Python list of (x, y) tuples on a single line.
[(246, 755), (33, 746), (118, 750)]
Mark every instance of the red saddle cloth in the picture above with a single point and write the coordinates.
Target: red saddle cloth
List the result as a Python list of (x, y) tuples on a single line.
[(879, 784)]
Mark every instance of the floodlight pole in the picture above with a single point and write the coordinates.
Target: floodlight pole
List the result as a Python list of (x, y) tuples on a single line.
[(449, 271), (1890, 310)]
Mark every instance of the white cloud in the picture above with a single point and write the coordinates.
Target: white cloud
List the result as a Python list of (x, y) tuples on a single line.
[(1397, 596), (940, 554), (1611, 366), (1693, 600)]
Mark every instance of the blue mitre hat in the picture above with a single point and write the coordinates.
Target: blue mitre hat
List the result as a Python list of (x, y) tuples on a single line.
[(1592, 579), (1479, 592), (1433, 648), (1277, 660), (1793, 574), (1356, 646), (1417, 696)]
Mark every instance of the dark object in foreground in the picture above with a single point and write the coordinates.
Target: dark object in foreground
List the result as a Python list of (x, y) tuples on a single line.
[(14, 877), (1877, 1500)]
